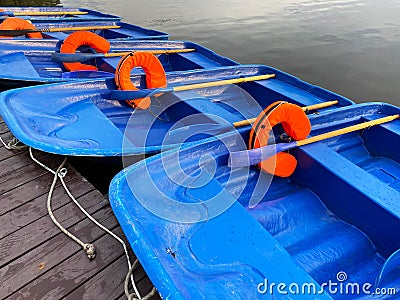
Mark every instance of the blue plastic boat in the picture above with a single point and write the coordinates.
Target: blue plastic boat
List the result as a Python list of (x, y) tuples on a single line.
[(328, 231), (81, 119), (88, 14), (126, 30), (28, 62)]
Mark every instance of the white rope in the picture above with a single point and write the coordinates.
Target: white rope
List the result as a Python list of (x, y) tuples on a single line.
[(89, 248), (60, 174), (12, 144), (126, 287)]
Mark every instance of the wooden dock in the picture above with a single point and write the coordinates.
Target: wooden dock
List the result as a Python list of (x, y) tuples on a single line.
[(37, 261)]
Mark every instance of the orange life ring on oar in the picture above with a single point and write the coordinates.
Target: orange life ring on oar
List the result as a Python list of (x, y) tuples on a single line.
[(155, 75), (19, 24), (83, 38), (296, 124)]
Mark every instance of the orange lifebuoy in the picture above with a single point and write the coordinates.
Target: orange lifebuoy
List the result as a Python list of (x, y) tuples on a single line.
[(83, 38), (19, 24), (155, 75), (296, 124)]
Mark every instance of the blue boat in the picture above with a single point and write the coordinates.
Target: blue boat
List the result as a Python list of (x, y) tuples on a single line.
[(331, 230), (121, 30), (29, 62), (56, 14), (80, 118)]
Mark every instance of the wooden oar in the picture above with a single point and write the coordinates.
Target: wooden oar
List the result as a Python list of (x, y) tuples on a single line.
[(42, 13), (254, 156), (213, 129), (305, 108), (8, 32), (124, 95), (79, 57)]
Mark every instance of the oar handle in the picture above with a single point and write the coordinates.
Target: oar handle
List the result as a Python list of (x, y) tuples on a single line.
[(305, 109), (345, 130), (120, 95), (254, 156)]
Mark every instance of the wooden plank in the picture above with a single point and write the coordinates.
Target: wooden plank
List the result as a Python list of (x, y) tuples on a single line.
[(18, 169), (113, 277), (145, 286), (25, 214), (74, 271), (36, 259), (48, 255), (5, 153), (109, 283), (32, 189), (43, 229), (3, 128)]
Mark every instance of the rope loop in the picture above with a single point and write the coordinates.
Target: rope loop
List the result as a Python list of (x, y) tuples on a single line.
[(63, 172)]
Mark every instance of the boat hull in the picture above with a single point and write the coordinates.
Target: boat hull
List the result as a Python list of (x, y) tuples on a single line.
[(126, 31), (30, 61), (91, 15), (60, 117), (337, 219)]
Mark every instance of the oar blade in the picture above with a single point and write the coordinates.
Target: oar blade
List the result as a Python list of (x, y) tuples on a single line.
[(251, 157), (12, 33), (137, 94), (75, 57), (7, 13)]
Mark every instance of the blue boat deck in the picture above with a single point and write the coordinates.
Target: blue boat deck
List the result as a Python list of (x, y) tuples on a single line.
[(296, 217), (37, 261)]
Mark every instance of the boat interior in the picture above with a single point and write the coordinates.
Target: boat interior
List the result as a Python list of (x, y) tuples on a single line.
[(326, 218)]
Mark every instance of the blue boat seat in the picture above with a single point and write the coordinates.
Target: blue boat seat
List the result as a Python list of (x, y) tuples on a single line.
[(287, 91), (180, 61), (88, 116), (17, 62), (299, 219), (360, 196)]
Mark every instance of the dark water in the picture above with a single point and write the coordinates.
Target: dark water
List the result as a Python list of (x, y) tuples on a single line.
[(351, 47)]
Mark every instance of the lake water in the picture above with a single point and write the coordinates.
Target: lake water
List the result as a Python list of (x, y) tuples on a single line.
[(351, 47)]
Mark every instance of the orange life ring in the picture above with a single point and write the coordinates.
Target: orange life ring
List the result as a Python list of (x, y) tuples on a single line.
[(155, 75), (83, 38), (296, 124), (14, 23)]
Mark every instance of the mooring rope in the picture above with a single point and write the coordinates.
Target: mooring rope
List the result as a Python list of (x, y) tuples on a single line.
[(60, 173), (12, 144), (135, 295), (90, 250)]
